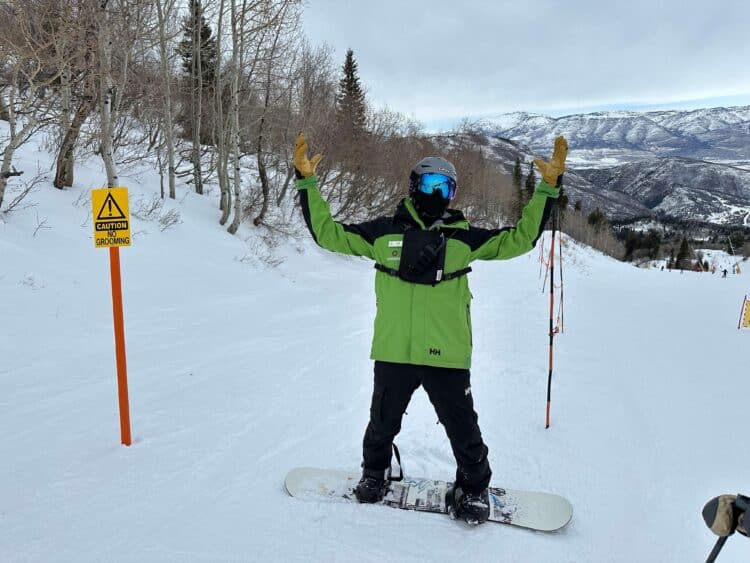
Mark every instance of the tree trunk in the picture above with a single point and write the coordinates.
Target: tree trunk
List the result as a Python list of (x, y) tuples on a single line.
[(106, 90), (167, 78), (65, 160), (195, 99), (265, 189), (285, 186), (259, 149), (4, 170), (4, 115), (221, 141), (15, 141), (235, 129)]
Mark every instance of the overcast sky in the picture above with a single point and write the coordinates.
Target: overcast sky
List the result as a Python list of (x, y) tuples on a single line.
[(438, 61)]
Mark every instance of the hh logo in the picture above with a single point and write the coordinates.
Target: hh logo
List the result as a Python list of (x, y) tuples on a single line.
[(434, 351)]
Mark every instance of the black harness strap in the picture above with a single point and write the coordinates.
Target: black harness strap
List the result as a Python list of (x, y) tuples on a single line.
[(400, 467), (446, 277), (456, 274)]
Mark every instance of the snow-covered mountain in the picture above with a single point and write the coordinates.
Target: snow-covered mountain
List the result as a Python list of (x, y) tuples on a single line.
[(677, 165), (605, 138), (680, 188)]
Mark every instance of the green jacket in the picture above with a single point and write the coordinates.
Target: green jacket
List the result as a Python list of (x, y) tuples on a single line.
[(416, 323)]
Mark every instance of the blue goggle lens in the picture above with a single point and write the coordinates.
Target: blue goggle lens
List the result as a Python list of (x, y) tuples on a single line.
[(430, 183)]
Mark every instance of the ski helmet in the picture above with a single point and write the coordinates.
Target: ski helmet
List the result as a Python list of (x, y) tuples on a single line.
[(430, 165)]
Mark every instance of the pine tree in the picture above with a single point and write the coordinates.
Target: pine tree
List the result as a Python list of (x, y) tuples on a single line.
[(530, 184), (597, 219), (350, 101), (735, 242), (518, 186), (207, 50), (200, 66), (683, 255), (562, 203), (517, 175)]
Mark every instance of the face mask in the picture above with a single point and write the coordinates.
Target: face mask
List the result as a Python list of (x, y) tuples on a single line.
[(430, 207)]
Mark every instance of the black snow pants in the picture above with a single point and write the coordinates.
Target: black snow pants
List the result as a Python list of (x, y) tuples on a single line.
[(449, 391)]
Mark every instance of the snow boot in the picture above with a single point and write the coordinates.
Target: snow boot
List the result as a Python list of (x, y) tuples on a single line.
[(474, 508), (372, 486)]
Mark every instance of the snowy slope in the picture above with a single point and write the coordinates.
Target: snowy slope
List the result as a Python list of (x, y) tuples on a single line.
[(239, 371)]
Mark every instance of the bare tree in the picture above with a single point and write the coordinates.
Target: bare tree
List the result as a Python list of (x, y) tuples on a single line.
[(237, 17), (165, 10), (284, 24), (221, 142), (29, 67), (106, 95), (78, 89)]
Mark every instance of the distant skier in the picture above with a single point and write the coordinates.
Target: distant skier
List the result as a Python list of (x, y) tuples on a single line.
[(422, 330), (724, 273)]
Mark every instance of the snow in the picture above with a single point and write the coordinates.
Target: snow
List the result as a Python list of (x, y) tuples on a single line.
[(240, 371)]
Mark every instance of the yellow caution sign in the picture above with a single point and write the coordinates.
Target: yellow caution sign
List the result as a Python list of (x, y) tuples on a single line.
[(745, 318), (111, 217)]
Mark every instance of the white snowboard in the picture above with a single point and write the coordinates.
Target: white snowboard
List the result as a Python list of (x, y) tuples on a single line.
[(527, 509)]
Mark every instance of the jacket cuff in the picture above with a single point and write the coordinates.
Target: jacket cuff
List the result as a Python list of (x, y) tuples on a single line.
[(545, 189), (309, 182)]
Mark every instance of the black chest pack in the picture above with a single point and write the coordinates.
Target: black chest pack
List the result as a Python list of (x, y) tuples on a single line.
[(423, 259)]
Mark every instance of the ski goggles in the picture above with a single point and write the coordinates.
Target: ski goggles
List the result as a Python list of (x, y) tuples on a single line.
[(430, 183)]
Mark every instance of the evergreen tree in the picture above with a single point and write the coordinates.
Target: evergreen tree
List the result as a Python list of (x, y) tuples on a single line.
[(518, 186), (597, 219), (562, 203), (350, 100), (683, 255), (652, 243), (631, 243), (735, 242), (530, 184), (517, 175), (207, 51)]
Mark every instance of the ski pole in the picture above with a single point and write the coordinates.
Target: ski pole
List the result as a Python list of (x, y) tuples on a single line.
[(717, 549), (561, 309), (552, 302), (551, 315)]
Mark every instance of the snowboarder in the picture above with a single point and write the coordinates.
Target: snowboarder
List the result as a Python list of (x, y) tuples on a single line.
[(422, 333)]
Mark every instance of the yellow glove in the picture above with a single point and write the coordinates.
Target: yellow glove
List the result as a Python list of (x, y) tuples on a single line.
[(551, 170), (305, 167)]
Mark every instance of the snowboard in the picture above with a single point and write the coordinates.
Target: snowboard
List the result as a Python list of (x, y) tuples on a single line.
[(528, 509)]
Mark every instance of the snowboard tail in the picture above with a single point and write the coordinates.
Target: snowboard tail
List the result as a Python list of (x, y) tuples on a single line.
[(527, 509)]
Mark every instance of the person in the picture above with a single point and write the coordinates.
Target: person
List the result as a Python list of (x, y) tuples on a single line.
[(724, 273), (422, 333)]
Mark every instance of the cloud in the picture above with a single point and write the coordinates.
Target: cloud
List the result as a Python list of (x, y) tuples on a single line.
[(437, 59)]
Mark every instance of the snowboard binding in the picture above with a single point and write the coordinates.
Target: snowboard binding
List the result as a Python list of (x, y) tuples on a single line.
[(474, 509)]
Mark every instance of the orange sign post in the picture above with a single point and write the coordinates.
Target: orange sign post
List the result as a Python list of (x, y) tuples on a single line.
[(112, 230)]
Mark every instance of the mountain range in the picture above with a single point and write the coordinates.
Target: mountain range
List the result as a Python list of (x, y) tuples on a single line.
[(670, 165)]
